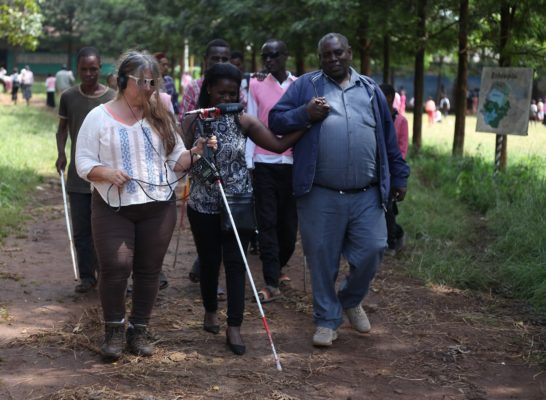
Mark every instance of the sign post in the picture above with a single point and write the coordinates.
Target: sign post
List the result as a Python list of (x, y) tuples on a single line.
[(503, 107)]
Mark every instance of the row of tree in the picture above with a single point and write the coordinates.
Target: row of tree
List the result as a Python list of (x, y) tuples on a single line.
[(385, 35)]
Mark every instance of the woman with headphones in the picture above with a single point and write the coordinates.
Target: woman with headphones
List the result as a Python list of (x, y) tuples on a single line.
[(131, 152)]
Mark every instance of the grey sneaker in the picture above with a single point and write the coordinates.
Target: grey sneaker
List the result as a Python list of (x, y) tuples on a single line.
[(324, 337), (358, 319)]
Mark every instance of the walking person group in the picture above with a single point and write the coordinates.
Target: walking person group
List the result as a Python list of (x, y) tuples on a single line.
[(130, 151)]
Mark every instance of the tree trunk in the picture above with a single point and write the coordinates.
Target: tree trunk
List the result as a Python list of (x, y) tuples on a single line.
[(364, 44), (507, 14), (419, 76), (386, 59), (461, 83), (300, 59), (253, 63)]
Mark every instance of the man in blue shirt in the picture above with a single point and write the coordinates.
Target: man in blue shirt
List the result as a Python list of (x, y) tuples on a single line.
[(345, 168)]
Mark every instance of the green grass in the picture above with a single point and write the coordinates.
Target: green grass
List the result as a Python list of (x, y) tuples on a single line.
[(440, 136), (27, 154), (475, 229)]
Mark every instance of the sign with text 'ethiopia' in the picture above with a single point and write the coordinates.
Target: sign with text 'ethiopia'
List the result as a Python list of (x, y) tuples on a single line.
[(505, 98)]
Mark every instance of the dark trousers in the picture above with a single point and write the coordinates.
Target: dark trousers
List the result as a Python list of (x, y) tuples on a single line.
[(394, 231), (14, 90), (133, 239), (277, 217), (213, 246), (80, 212), (50, 99)]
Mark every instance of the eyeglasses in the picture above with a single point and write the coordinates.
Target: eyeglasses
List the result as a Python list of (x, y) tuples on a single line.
[(141, 82), (276, 54)]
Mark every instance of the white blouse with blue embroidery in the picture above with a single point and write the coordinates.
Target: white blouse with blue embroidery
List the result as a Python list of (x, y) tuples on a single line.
[(136, 149)]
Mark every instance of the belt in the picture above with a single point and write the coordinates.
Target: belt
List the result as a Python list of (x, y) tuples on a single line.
[(348, 191)]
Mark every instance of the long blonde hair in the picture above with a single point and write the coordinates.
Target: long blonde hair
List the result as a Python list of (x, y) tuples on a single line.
[(160, 118)]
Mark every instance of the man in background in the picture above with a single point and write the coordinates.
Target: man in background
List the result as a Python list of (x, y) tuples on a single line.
[(64, 79), (395, 232), (272, 175), (75, 104)]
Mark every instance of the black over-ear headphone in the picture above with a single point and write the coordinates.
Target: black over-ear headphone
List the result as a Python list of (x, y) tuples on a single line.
[(122, 76), (122, 80)]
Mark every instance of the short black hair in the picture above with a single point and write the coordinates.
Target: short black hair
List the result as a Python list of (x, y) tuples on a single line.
[(281, 43), (87, 51), (387, 90), (213, 75), (215, 43), (237, 54)]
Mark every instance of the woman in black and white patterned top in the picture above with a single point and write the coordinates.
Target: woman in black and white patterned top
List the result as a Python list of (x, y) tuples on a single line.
[(221, 85)]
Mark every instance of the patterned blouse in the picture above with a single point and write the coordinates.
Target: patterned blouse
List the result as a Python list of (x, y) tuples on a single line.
[(230, 162), (136, 149)]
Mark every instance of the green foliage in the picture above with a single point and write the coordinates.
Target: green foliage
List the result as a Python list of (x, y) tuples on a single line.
[(20, 22), (475, 229)]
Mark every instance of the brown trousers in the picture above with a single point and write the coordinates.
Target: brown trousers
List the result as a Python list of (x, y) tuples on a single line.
[(131, 239)]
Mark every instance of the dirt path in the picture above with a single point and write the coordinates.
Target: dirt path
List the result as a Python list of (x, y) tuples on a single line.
[(426, 343)]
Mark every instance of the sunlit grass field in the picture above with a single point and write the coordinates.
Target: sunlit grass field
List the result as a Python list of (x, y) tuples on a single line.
[(482, 144)]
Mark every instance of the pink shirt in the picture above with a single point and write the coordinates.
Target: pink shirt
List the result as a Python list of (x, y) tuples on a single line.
[(262, 96), (50, 84), (401, 128)]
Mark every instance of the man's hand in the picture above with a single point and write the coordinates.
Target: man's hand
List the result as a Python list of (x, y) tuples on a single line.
[(398, 194), (60, 164), (317, 109)]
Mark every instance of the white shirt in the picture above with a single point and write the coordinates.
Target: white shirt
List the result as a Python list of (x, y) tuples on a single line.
[(105, 141)]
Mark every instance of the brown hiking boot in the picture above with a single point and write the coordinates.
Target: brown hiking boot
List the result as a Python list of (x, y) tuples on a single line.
[(112, 346), (138, 340)]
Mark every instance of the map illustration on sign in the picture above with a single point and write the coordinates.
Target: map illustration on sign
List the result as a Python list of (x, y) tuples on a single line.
[(505, 96)]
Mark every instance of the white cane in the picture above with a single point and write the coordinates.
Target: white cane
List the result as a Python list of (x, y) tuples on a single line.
[(275, 356), (69, 229)]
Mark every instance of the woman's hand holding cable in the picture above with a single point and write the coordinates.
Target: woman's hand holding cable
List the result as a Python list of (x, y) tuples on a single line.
[(101, 173), (116, 177)]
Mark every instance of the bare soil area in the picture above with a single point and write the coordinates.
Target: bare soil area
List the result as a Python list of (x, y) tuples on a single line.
[(426, 342)]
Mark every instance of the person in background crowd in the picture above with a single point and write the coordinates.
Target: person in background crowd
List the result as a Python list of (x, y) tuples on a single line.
[(50, 90), (64, 79), (444, 105), (346, 168), (4, 78), (15, 84), (168, 81), (27, 80), (130, 150), (75, 103), (237, 59), (272, 175), (112, 81), (402, 108), (217, 51), (540, 110), (430, 108), (395, 232)]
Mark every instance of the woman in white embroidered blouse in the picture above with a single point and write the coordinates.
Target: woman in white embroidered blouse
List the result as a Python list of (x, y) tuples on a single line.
[(130, 150)]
